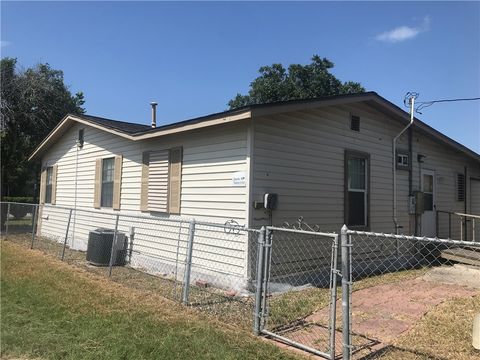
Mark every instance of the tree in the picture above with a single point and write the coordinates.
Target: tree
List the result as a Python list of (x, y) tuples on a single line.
[(275, 83), (32, 103)]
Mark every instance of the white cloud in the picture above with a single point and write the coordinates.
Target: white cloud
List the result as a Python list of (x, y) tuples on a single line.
[(403, 33), (4, 43)]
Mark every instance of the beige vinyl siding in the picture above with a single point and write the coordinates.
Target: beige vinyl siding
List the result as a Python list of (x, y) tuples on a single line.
[(300, 156), (446, 163), (210, 158)]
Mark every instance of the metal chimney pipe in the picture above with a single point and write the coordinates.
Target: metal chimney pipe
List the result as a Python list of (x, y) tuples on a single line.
[(154, 114)]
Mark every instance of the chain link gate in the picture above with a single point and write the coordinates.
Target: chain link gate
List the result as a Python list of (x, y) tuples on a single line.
[(296, 289), (391, 281)]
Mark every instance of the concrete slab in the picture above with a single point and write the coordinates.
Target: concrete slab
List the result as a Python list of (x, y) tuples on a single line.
[(458, 274)]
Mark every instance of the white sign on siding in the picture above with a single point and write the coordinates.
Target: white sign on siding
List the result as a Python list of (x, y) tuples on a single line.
[(238, 178)]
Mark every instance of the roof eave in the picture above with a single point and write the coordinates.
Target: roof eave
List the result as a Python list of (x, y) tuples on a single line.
[(61, 128), (181, 127), (425, 128), (300, 105)]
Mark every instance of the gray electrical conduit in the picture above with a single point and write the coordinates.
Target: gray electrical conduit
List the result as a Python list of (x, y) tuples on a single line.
[(394, 163)]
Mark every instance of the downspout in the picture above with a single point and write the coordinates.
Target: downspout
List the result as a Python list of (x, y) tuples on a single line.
[(465, 207), (394, 162), (75, 194), (412, 219)]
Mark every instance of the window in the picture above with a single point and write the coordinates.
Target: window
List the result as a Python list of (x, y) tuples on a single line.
[(427, 187), (403, 160), (355, 123), (108, 168), (460, 187), (48, 185), (356, 189)]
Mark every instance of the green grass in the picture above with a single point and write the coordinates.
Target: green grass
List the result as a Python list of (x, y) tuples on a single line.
[(52, 311)]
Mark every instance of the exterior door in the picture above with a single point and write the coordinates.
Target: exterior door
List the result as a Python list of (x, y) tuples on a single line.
[(429, 216), (475, 204)]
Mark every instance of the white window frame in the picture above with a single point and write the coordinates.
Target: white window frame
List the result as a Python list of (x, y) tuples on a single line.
[(402, 155), (350, 154), (48, 184), (112, 158)]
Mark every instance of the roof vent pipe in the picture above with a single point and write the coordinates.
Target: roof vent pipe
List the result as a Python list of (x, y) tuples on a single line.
[(154, 114)]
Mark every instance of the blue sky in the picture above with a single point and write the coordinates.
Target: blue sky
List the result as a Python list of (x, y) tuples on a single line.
[(193, 57)]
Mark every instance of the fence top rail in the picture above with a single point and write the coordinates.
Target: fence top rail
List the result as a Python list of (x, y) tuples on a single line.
[(416, 238), (458, 214), (17, 203), (468, 215), (232, 227), (317, 233), (226, 226)]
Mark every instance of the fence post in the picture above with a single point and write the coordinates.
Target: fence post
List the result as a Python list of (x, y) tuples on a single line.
[(114, 242), (473, 230), (461, 228), (266, 275), (130, 245), (449, 225), (66, 234), (188, 263), (7, 221), (259, 271), (34, 224), (333, 298), (346, 282)]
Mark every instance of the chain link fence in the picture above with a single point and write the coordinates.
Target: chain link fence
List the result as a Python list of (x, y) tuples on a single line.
[(20, 220), (200, 264), (282, 282), (393, 282)]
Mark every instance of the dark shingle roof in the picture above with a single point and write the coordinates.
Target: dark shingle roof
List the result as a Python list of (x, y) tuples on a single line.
[(123, 126), (140, 129)]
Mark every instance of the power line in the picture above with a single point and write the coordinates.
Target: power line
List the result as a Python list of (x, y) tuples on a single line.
[(424, 104)]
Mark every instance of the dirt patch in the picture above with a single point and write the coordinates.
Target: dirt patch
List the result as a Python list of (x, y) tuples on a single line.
[(458, 274)]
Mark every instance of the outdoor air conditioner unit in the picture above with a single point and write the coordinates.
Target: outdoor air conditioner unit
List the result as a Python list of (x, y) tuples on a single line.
[(100, 247)]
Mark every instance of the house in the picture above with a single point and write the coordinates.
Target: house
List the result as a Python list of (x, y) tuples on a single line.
[(329, 160)]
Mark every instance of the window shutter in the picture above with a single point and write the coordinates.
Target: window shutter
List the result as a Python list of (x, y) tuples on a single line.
[(117, 182), (144, 183), (54, 184), (175, 180), (460, 187), (97, 185), (43, 185), (158, 175)]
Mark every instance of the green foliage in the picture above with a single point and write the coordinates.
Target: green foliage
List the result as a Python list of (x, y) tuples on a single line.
[(275, 83), (32, 103)]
